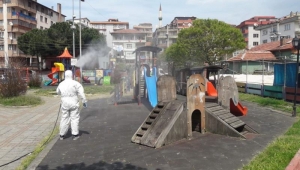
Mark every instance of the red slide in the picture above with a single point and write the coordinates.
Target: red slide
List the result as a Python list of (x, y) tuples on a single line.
[(211, 90), (53, 76), (238, 110)]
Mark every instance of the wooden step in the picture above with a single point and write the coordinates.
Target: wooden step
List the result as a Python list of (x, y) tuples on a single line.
[(220, 112), (152, 116), (231, 119), (213, 109), (226, 116), (237, 124), (156, 110)]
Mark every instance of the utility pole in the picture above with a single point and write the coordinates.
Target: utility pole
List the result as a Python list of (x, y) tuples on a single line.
[(5, 36), (80, 38)]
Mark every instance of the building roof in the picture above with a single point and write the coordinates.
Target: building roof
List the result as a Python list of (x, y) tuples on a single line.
[(254, 56), (65, 54), (128, 31), (274, 46), (257, 19)]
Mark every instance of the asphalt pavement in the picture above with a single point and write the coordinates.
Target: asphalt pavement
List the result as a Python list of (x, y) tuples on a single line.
[(105, 142)]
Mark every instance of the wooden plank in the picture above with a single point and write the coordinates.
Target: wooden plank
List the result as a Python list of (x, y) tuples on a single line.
[(156, 110), (152, 116), (237, 124), (208, 105), (220, 112), (213, 109), (226, 116), (251, 91), (231, 120), (241, 89)]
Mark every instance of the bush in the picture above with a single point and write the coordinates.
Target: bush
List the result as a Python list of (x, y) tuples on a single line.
[(35, 80), (12, 83)]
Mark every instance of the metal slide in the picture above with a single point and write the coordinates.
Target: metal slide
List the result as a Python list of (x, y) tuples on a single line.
[(151, 88)]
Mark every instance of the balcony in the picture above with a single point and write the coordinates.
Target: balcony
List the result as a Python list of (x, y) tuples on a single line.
[(246, 39), (21, 15), (131, 41), (245, 31)]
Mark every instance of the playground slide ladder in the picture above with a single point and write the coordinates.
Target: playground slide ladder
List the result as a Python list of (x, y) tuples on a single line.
[(142, 86), (148, 122), (229, 119), (165, 124)]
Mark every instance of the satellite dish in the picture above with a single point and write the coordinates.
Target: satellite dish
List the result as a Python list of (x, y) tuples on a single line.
[(255, 24)]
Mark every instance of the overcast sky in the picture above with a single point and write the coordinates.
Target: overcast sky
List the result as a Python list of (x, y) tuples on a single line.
[(146, 11)]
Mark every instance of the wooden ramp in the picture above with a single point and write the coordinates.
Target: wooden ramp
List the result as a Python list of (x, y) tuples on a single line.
[(165, 124), (221, 121)]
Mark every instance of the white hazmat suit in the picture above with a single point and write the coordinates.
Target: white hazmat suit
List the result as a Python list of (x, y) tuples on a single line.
[(69, 91)]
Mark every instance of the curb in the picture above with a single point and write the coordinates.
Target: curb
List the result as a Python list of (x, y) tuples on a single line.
[(295, 162)]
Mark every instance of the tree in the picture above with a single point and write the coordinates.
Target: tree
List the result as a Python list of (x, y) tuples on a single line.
[(51, 42), (33, 43), (206, 41)]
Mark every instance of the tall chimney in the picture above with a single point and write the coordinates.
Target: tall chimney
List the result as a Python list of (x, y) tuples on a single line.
[(59, 11)]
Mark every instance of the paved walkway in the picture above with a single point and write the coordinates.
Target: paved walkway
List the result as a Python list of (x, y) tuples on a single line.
[(22, 128)]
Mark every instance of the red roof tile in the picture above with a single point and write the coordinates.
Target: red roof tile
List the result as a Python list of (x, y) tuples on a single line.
[(254, 56), (274, 46)]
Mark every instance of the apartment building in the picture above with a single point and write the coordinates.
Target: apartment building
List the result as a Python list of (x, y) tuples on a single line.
[(251, 35), (126, 41), (19, 17), (285, 27), (85, 22), (163, 37), (147, 28), (106, 27)]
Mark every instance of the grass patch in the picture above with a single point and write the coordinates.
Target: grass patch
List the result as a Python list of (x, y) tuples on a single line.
[(98, 89), (26, 162), (23, 100), (87, 90), (45, 92), (280, 152), (277, 104)]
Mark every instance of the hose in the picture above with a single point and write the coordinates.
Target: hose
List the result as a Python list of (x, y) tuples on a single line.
[(40, 146)]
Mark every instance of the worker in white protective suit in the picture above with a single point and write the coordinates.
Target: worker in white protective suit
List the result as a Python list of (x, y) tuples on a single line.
[(69, 91)]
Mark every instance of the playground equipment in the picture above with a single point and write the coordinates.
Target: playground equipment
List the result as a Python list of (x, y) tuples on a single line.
[(57, 72), (140, 86), (79, 76), (171, 121), (56, 75)]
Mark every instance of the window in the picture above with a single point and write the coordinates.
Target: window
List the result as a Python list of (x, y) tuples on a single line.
[(287, 27), (46, 20), (1, 47), (265, 41), (41, 18), (129, 46), (29, 4), (255, 35), (1, 22), (42, 10), (255, 43), (265, 32), (1, 34)]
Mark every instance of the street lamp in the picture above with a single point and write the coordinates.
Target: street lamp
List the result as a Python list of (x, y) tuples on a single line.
[(296, 45), (80, 38)]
